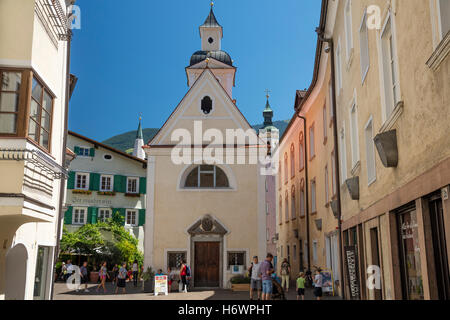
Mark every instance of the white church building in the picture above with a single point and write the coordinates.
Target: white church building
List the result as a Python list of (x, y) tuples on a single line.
[(212, 215)]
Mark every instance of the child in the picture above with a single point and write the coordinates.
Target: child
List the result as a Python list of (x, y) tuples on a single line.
[(301, 286)]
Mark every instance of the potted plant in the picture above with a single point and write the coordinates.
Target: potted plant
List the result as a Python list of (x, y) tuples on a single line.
[(240, 284), (94, 275), (148, 278)]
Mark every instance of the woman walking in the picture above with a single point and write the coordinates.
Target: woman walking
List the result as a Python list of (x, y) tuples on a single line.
[(115, 274), (122, 277), (103, 274), (135, 269)]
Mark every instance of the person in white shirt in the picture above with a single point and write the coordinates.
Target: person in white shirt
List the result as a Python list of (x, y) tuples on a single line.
[(318, 280), (256, 281)]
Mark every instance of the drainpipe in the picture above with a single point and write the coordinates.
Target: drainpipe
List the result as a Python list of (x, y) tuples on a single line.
[(336, 157), (306, 191), (62, 188)]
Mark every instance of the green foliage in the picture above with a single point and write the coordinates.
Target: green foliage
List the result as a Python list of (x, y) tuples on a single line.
[(240, 280), (148, 274)]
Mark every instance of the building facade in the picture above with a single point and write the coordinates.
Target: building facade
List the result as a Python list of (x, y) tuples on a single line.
[(102, 182), (393, 101), (34, 95), (210, 214), (306, 186)]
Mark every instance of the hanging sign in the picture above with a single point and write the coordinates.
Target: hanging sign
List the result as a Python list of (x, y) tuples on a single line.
[(351, 259), (161, 285)]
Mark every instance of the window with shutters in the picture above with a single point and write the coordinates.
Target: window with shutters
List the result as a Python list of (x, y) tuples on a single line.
[(348, 29), (132, 185), (104, 214), (293, 206), (364, 47), (131, 219), (106, 183), (82, 181), (292, 161), (83, 151), (301, 154), (286, 207), (79, 216), (286, 168), (280, 209), (302, 203), (312, 148)]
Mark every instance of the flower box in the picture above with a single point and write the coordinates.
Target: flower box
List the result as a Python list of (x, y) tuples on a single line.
[(87, 192), (132, 195), (106, 193), (240, 287)]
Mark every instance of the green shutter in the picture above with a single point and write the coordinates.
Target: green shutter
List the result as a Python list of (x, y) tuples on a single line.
[(120, 184), (94, 182), (92, 152), (71, 181), (141, 217), (92, 215), (76, 150), (68, 216), (143, 185)]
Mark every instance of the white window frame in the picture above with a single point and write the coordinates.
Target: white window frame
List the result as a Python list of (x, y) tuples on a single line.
[(390, 82), (348, 30), (84, 148), (373, 178), (111, 184), (137, 185), (132, 211), (354, 132), (104, 210), (364, 47), (74, 215), (87, 180), (343, 154)]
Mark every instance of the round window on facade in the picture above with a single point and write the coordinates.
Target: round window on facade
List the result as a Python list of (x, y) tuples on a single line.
[(107, 157), (210, 40)]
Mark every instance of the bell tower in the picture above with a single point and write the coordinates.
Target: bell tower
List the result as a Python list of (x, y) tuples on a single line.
[(211, 32)]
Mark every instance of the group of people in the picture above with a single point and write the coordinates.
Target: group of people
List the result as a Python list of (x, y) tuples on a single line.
[(263, 276)]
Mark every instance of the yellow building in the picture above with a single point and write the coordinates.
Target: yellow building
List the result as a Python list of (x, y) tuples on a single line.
[(34, 96), (307, 226), (211, 214), (393, 101)]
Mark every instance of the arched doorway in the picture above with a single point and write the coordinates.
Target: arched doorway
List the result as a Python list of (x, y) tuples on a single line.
[(16, 272)]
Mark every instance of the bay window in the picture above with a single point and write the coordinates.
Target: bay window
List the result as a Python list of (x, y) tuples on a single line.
[(9, 101)]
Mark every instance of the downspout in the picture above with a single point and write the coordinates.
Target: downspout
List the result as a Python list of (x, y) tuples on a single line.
[(306, 191), (336, 158), (63, 179)]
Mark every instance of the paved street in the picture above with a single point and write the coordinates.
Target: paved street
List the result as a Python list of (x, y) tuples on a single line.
[(63, 293)]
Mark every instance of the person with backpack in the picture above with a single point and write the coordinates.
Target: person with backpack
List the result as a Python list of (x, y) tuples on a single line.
[(318, 283), (183, 276), (285, 274)]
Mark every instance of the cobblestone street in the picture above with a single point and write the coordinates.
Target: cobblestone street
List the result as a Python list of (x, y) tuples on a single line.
[(63, 293)]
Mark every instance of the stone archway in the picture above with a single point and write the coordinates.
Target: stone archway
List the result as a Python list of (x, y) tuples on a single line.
[(16, 272), (207, 248)]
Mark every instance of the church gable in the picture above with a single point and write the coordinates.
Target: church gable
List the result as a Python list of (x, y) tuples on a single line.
[(208, 102)]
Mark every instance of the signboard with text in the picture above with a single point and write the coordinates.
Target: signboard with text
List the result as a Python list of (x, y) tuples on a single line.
[(351, 259), (161, 285)]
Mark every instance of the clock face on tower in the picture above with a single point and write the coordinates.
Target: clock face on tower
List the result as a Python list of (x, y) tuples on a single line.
[(210, 40)]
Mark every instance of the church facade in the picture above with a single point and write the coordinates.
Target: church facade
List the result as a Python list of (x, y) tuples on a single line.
[(210, 213)]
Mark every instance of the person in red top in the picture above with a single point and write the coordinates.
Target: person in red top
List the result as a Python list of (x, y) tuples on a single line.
[(183, 275)]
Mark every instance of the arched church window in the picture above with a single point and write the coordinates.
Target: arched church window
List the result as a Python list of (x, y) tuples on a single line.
[(208, 177), (207, 105)]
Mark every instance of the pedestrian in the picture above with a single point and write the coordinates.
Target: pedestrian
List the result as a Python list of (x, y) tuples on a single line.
[(318, 280), (70, 270), (121, 278), (285, 274), (183, 275), (135, 270), (266, 270), (103, 274), (84, 276), (115, 274), (170, 278), (301, 286), (255, 282), (63, 272)]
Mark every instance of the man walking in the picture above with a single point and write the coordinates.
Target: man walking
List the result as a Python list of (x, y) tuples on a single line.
[(84, 276), (285, 274), (266, 270), (256, 282)]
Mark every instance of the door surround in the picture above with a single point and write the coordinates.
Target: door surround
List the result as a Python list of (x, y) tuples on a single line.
[(208, 229)]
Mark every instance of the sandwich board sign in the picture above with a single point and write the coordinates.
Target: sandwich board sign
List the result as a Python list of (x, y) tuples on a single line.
[(161, 285)]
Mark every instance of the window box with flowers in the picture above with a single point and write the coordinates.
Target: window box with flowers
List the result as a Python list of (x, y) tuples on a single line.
[(86, 192), (106, 193), (132, 195)]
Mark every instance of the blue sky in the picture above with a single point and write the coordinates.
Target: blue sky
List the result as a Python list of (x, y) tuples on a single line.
[(130, 57)]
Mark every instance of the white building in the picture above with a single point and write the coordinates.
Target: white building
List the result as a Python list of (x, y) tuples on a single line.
[(34, 95), (104, 181)]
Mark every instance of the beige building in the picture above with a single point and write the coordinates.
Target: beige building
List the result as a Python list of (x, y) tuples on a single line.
[(307, 226), (393, 101), (213, 215), (34, 95)]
